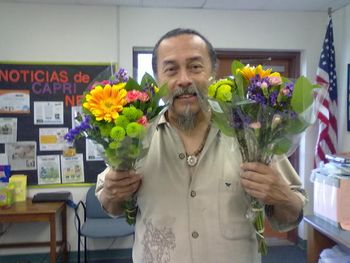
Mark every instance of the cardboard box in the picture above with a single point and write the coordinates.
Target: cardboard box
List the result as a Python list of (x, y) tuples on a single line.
[(332, 199), (20, 183)]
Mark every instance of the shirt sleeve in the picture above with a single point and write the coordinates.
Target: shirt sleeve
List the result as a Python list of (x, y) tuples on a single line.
[(99, 187), (100, 182), (292, 178)]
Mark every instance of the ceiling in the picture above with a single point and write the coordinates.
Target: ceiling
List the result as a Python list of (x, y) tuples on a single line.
[(276, 5)]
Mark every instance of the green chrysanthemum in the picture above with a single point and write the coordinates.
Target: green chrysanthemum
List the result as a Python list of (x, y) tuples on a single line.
[(131, 113), (134, 151), (117, 133), (105, 128), (222, 89), (135, 130), (224, 93), (114, 145), (122, 121)]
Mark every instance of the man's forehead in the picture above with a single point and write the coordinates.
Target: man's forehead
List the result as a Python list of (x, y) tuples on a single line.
[(191, 47), (187, 60)]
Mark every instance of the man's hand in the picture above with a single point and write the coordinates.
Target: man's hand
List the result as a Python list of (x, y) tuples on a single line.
[(118, 186), (266, 184)]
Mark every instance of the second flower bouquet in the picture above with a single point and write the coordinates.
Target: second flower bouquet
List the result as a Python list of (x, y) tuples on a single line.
[(266, 113), (116, 112)]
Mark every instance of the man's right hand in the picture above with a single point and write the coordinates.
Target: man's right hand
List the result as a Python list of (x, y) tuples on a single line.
[(117, 187)]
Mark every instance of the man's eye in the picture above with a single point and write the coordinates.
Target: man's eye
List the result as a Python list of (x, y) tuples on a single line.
[(196, 67), (170, 70)]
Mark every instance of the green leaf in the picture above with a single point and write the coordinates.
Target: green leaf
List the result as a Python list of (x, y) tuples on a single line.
[(296, 126), (163, 91), (302, 96), (282, 146), (240, 92), (132, 85), (220, 121), (234, 66), (147, 79)]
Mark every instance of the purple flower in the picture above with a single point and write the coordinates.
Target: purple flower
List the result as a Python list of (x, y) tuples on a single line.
[(120, 76), (78, 130), (273, 98), (288, 89)]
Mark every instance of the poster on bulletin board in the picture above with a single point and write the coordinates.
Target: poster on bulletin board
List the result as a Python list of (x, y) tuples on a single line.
[(37, 106)]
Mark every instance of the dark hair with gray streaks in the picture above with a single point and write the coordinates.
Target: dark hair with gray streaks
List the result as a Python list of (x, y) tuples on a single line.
[(184, 31)]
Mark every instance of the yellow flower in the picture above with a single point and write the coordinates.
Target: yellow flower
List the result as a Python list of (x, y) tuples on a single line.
[(106, 102), (249, 72), (263, 73), (155, 88)]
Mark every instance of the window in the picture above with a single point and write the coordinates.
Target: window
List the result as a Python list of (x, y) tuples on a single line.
[(142, 62)]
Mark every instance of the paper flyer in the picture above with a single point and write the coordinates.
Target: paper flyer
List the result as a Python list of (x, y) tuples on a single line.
[(8, 130), (93, 151), (15, 101), (48, 112), (21, 155), (75, 111), (52, 139), (49, 169), (72, 169)]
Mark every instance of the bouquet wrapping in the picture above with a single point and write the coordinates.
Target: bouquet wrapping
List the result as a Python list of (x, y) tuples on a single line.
[(116, 112), (267, 113)]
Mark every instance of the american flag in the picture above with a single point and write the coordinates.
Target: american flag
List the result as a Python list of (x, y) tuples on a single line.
[(327, 115)]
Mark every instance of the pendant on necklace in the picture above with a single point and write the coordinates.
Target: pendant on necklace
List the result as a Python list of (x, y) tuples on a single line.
[(192, 160)]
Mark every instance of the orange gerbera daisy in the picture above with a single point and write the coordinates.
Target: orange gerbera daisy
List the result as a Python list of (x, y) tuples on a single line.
[(105, 102)]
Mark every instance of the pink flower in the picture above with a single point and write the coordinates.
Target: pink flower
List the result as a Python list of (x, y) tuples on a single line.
[(143, 121), (255, 125), (132, 96), (275, 80), (286, 91), (264, 85), (143, 96)]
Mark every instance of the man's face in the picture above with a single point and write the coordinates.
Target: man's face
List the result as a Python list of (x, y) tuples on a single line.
[(183, 63)]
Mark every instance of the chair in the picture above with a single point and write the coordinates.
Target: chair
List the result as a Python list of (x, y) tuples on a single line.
[(97, 223)]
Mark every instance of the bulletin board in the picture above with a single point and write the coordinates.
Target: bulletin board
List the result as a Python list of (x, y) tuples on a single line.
[(37, 103)]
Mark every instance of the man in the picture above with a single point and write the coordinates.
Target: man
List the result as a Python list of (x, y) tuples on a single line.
[(192, 201)]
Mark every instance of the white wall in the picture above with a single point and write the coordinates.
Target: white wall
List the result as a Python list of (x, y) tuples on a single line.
[(67, 33)]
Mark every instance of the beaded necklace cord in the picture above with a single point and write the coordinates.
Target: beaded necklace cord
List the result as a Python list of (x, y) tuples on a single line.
[(192, 159)]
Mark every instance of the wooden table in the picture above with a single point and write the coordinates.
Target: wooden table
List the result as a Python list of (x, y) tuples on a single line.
[(321, 235), (27, 211)]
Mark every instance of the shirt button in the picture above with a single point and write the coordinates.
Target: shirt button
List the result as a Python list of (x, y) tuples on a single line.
[(193, 193), (195, 234), (182, 156)]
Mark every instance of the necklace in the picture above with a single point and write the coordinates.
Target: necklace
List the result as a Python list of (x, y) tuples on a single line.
[(192, 159)]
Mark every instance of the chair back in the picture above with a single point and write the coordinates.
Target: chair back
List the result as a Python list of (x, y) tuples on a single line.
[(93, 206)]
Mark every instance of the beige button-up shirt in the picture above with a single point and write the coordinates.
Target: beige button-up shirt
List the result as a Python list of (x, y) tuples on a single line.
[(195, 214)]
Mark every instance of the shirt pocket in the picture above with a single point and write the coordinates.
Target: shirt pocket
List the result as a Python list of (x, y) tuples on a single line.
[(233, 206)]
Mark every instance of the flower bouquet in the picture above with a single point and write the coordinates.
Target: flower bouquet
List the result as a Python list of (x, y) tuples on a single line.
[(116, 112), (266, 113)]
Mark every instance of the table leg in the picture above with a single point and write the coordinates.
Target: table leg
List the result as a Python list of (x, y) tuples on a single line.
[(316, 242), (64, 234), (52, 238)]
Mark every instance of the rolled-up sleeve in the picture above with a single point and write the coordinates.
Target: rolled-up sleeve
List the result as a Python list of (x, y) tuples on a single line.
[(292, 178), (100, 182)]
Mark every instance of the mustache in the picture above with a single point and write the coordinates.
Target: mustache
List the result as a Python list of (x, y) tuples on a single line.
[(178, 91)]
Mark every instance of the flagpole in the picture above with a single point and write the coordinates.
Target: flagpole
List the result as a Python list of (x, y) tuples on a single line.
[(330, 12)]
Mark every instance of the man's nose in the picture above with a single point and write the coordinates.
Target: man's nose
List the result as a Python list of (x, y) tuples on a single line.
[(184, 79)]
